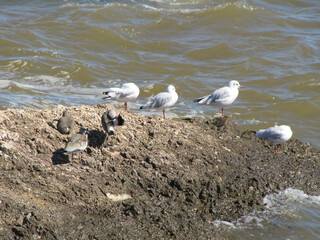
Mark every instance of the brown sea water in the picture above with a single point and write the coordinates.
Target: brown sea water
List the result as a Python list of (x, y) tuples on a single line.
[(67, 52)]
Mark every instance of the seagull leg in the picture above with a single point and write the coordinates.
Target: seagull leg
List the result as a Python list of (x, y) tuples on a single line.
[(80, 156), (126, 106), (70, 161), (277, 149), (164, 114), (222, 112)]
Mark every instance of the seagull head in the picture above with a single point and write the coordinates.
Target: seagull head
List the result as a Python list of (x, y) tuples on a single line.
[(234, 84), (171, 89)]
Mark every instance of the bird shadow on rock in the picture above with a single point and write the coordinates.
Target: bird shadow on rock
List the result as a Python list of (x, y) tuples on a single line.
[(58, 157), (96, 138)]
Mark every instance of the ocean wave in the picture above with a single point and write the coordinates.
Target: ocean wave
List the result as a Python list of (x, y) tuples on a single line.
[(288, 198), (289, 204), (181, 6), (91, 4), (201, 8)]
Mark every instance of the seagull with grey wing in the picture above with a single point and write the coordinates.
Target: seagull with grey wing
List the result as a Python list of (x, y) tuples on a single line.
[(77, 142), (163, 100), (126, 93), (222, 97), (276, 135)]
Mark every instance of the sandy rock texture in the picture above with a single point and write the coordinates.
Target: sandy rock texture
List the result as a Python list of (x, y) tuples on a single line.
[(154, 179)]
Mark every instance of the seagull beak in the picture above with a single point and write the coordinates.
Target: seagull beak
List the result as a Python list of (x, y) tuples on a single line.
[(240, 86)]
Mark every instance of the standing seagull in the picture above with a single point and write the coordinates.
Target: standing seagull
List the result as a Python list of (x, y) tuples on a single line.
[(126, 93), (276, 135), (163, 100), (78, 142), (66, 123), (222, 97)]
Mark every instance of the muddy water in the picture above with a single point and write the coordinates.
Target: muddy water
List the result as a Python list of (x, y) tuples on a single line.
[(68, 52)]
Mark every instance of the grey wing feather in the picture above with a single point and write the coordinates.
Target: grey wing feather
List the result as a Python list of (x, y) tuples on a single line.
[(220, 93), (74, 143), (159, 100), (209, 98), (269, 135)]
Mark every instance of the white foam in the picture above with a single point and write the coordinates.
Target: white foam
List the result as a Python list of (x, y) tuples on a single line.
[(289, 197), (219, 223), (5, 83), (286, 202), (148, 88), (240, 5), (46, 79), (17, 64), (251, 122), (91, 4), (195, 6), (168, 9), (168, 6)]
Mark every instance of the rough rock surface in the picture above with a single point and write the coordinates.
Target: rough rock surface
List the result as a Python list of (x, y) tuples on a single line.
[(155, 179)]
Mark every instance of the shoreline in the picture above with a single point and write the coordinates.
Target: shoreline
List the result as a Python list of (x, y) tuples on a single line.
[(160, 179)]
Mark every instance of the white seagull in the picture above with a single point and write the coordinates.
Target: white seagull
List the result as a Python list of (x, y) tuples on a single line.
[(163, 100), (222, 97), (126, 93), (276, 135)]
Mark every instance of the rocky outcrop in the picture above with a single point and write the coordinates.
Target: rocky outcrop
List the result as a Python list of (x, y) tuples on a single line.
[(154, 179)]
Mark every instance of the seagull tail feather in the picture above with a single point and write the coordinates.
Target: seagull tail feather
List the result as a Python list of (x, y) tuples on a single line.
[(198, 99)]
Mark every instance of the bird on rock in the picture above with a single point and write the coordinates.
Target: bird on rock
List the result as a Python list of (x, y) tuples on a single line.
[(163, 100), (66, 123), (126, 93), (110, 119), (222, 97), (276, 135), (77, 142)]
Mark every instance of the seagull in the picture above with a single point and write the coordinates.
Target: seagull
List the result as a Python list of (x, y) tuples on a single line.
[(222, 97), (126, 93), (66, 123), (163, 100), (77, 142), (276, 135), (110, 119)]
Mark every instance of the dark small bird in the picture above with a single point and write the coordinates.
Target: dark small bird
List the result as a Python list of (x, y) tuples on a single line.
[(77, 142), (110, 119), (66, 123)]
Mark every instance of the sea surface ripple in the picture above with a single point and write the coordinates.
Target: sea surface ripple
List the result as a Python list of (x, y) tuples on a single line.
[(67, 52)]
